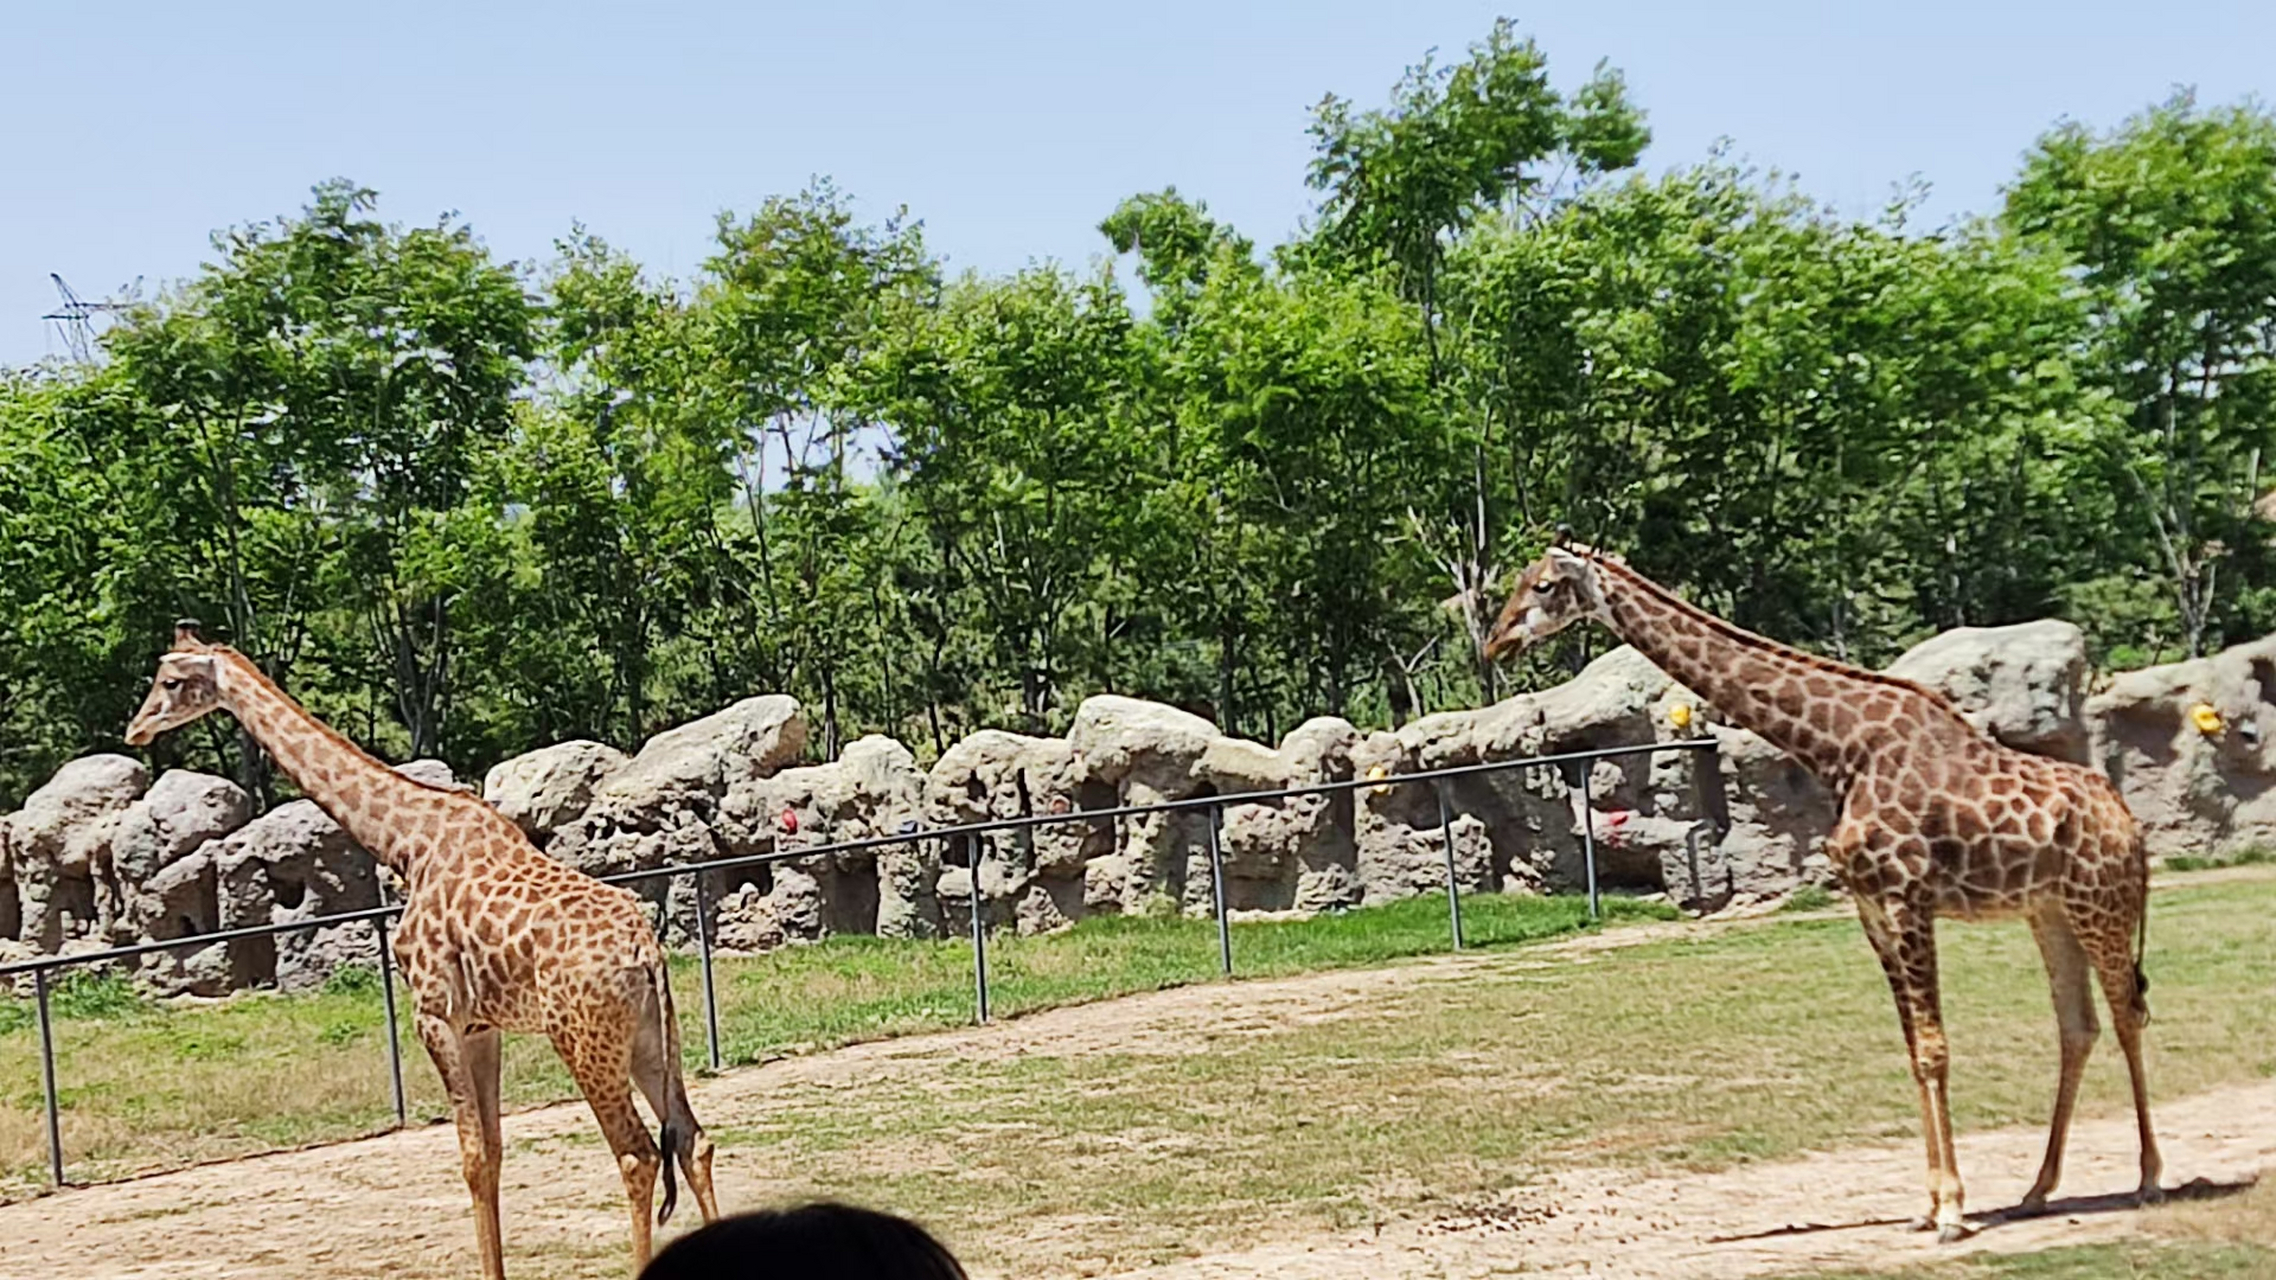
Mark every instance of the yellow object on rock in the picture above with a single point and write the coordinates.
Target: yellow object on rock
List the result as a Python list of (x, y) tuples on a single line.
[(2207, 720), (1375, 771), (1679, 715)]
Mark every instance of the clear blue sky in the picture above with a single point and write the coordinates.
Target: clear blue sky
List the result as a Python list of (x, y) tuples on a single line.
[(134, 129)]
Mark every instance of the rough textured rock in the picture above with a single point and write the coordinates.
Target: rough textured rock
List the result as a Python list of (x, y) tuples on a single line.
[(93, 859), (551, 787), (1296, 853), (292, 863), (60, 839), (664, 805), (2195, 792), (162, 879), (1653, 817), (1033, 877), (873, 789), (2024, 684), (1148, 753)]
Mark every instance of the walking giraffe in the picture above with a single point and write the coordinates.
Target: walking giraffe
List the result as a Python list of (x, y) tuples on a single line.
[(1935, 816), (495, 936)]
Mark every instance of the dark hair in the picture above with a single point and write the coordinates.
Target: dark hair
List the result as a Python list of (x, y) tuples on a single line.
[(817, 1241)]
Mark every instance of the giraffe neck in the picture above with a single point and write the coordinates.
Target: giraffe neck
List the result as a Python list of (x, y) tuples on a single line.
[(379, 808), (1810, 707)]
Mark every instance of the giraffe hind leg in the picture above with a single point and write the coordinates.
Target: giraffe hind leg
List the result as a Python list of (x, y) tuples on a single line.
[(2112, 951), (2070, 978), (656, 1070), (602, 1067)]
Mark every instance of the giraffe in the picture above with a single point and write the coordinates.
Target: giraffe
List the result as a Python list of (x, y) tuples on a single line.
[(495, 936), (1935, 816)]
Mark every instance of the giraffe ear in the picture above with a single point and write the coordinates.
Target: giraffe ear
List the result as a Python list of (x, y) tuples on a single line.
[(186, 635), (1567, 560), (1564, 536)]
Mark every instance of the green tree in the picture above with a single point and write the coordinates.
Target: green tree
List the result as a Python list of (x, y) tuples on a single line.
[(2171, 221)]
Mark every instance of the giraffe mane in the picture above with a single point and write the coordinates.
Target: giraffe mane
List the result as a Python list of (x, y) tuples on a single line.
[(1739, 635), (332, 735)]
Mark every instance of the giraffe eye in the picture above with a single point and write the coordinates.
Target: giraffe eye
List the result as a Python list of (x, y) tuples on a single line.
[(1549, 588), (174, 682)]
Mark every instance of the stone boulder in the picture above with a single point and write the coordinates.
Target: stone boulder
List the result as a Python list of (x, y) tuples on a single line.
[(2206, 790), (1296, 853), (163, 880), (293, 863), (1654, 818), (551, 787), (873, 789), (2024, 684), (1034, 877), (664, 805), (702, 759), (57, 843), (1148, 753)]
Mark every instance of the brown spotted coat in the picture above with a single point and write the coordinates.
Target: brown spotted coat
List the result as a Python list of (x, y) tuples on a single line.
[(494, 937), (1936, 817)]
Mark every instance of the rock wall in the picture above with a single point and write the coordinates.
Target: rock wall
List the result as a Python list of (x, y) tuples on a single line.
[(102, 856)]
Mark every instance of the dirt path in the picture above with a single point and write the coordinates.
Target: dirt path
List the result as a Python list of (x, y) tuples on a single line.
[(394, 1205)]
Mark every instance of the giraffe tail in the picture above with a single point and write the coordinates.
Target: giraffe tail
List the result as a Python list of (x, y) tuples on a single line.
[(2141, 867), (2141, 951), (669, 1140)]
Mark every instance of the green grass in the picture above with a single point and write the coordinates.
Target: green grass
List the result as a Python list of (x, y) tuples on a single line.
[(2133, 1260), (1810, 897), (149, 1085), (2252, 855)]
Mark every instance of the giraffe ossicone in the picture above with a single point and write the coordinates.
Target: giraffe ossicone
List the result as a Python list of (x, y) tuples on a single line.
[(494, 936), (1936, 817)]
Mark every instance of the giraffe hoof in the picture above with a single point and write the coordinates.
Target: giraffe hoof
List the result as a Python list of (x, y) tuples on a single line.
[(2034, 1205), (2150, 1194), (1951, 1233)]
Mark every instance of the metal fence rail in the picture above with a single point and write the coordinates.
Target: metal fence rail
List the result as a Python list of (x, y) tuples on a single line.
[(1572, 768)]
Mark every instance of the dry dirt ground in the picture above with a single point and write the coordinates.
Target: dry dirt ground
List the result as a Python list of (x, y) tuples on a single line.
[(394, 1205)]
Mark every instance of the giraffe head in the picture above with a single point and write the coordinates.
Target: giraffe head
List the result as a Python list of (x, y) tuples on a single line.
[(1561, 588), (188, 685)]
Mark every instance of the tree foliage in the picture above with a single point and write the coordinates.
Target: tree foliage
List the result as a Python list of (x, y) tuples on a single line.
[(467, 507)]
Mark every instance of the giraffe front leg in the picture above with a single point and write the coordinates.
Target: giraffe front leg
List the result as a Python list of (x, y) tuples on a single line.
[(479, 1154), (1914, 933), (1904, 938)]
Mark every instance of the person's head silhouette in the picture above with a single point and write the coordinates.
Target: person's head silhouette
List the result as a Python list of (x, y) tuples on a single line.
[(817, 1240)]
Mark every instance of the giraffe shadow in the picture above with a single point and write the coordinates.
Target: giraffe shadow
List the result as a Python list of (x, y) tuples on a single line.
[(2194, 1190)]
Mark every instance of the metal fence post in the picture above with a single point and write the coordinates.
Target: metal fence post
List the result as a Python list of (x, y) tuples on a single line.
[(979, 932), (394, 1046), (47, 1079), (1453, 890), (703, 951), (1217, 890), (1588, 831)]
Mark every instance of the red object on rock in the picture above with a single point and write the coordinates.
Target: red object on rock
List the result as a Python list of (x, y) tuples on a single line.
[(789, 820)]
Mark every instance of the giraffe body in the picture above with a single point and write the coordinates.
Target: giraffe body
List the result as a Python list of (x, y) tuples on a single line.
[(1936, 818), (494, 937)]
